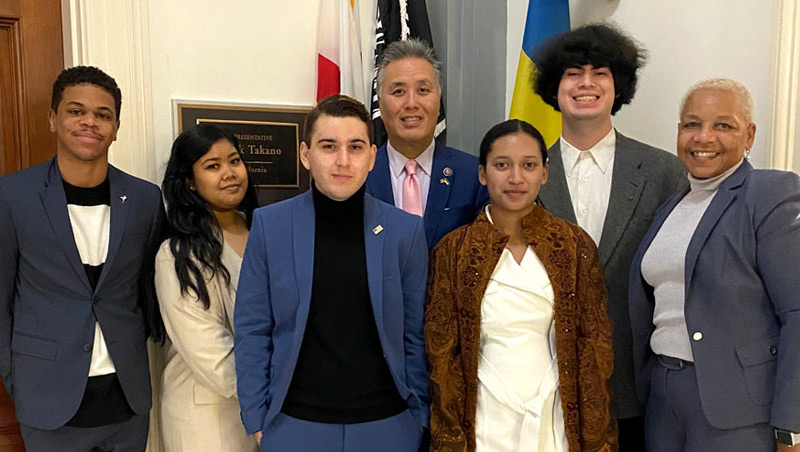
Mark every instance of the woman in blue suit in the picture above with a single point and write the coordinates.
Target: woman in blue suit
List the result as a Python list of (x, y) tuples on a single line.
[(714, 303)]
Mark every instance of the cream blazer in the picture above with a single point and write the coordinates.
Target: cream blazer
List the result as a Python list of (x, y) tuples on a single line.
[(199, 409)]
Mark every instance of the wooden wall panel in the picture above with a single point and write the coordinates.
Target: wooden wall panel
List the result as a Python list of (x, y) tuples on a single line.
[(43, 60), (31, 56), (10, 440), (12, 126)]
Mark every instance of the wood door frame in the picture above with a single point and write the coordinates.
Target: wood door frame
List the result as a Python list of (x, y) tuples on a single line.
[(14, 131)]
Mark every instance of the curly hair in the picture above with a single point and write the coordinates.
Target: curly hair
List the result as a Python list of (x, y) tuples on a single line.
[(725, 84), (85, 74), (195, 238), (600, 45)]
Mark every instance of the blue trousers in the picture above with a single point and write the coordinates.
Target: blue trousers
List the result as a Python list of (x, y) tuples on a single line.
[(399, 433), (128, 436), (675, 421)]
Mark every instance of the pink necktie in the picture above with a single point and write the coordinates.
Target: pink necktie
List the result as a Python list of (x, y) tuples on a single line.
[(412, 199)]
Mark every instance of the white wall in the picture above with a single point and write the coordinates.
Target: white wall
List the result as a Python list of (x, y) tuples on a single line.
[(249, 51), (687, 40), (264, 52)]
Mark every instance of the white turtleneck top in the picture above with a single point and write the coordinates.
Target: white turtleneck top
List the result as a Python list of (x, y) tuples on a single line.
[(664, 264)]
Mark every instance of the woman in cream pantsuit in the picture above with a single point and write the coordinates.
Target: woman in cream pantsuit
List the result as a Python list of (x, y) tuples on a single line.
[(197, 270)]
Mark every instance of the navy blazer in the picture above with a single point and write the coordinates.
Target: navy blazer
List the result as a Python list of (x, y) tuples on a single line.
[(48, 309), (742, 295), (274, 296), (455, 196)]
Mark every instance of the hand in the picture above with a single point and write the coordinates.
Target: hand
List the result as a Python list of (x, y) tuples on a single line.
[(785, 448), (257, 435)]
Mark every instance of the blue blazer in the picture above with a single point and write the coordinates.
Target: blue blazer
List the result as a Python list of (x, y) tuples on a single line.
[(742, 294), (47, 306), (450, 204), (274, 296)]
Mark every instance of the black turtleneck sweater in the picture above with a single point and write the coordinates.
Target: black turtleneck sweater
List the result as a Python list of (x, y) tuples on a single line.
[(341, 374)]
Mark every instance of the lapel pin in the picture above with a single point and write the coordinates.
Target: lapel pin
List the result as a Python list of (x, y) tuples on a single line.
[(123, 198), (377, 229), (447, 171), (444, 181)]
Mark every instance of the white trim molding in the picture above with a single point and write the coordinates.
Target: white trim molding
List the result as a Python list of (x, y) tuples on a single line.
[(783, 140), (115, 37)]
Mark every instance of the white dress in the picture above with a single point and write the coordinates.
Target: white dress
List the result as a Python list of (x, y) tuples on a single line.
[(199, 408), (519, 405)]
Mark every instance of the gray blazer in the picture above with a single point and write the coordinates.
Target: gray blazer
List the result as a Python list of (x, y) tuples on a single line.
[(48, 308), (643, 178), (741, 296)]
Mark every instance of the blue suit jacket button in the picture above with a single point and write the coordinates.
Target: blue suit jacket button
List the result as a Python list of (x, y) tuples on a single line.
[(96, 299), (773, 350), (87, 348)]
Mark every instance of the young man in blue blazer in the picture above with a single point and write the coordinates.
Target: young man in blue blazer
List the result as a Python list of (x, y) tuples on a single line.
[(412, 171), (328, 319), (76, 236)]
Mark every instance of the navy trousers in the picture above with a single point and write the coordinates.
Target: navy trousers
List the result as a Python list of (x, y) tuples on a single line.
[(128, 436), (399, 433), (675, 421)]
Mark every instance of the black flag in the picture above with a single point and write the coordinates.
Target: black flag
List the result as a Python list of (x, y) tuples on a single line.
[(399, 20)]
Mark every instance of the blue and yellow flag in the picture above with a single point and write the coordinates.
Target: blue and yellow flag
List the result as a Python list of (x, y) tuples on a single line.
[(545, 18)]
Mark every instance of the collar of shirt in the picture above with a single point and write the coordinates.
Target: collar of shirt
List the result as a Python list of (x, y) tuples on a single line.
[(397, 161), (602, 153)]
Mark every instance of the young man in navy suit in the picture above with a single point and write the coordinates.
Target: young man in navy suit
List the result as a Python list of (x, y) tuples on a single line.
[(328, 319), (76, 236), (412, 171)]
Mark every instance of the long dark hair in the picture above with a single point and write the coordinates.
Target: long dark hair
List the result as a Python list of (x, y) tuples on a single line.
[(195, 237)]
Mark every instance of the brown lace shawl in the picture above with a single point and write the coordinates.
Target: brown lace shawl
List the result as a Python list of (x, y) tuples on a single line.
[(460, 268)]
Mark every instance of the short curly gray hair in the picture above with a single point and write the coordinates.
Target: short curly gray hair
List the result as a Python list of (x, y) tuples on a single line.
[(745, 98)]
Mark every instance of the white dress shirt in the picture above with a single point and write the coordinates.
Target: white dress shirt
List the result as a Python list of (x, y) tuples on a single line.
[(397, 167), (589, 181)]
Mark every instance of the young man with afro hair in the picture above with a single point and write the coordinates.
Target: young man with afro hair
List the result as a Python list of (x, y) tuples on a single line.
[(607, 183)]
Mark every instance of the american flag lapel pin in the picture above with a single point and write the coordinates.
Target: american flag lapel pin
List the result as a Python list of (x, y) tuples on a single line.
[(377, 229)]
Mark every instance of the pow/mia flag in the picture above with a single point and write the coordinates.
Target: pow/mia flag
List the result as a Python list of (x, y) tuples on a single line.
[(399, 20)]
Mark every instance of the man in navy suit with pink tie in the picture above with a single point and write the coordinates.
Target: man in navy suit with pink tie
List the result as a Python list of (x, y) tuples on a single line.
[(412, 171)]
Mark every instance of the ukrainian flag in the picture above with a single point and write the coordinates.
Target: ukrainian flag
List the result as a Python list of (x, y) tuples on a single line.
[(545, 18)]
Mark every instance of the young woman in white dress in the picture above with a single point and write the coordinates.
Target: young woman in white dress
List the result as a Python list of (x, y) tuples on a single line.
[(516, 329), (209, 207)]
